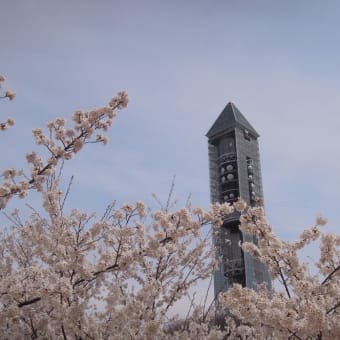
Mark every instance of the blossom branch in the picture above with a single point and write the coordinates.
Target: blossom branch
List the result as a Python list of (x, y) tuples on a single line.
[(29, 302), (330, 275), (72, 140)]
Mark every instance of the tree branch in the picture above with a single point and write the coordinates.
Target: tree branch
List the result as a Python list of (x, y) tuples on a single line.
[(330, 275), (29, 302)]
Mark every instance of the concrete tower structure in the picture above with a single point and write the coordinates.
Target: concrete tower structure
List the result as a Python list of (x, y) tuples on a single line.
[(234, 166)]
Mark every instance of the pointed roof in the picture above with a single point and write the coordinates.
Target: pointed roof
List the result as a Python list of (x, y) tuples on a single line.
[(229, 118)]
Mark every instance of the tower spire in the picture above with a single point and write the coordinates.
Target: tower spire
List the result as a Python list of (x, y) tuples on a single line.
[(230, 118)]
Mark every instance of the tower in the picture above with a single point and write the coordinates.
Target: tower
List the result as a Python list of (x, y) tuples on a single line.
[(234, 167)]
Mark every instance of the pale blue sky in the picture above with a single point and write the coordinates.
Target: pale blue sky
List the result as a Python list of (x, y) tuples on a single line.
[(181, 62)]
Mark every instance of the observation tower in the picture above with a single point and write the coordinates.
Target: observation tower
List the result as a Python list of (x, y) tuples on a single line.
[(235, 172)]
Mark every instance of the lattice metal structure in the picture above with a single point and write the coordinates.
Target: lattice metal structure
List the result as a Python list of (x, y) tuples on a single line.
[(235, 171)]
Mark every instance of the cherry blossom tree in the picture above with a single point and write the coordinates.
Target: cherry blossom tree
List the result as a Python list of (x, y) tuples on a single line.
[(308, 305), (78, 275)]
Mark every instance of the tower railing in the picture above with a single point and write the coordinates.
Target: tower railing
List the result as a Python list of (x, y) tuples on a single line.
[(233, 267), (227, 157)]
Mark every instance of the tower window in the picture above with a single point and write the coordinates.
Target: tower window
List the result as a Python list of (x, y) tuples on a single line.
[(230, 177), (227, 145), (246, 134), (250, 173)]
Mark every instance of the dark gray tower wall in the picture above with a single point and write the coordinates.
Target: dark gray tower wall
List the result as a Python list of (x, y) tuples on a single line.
[(249, 165), (234, 169)]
